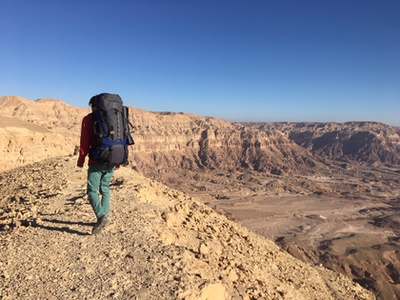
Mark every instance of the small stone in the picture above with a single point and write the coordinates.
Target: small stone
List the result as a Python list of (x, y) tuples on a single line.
[(203, 249), (214, 291)]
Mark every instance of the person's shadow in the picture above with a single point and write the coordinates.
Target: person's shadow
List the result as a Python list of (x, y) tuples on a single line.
[(64, 228)]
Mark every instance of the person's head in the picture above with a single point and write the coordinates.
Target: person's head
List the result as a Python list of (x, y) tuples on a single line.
[(93, 102)]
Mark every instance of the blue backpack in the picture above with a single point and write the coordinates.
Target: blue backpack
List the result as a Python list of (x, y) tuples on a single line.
[(111, 130)]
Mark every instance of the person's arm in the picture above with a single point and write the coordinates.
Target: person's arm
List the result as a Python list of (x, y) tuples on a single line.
[(86, 137)]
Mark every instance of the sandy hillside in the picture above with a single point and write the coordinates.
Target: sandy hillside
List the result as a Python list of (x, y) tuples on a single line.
[(160, 244), (31, 131)]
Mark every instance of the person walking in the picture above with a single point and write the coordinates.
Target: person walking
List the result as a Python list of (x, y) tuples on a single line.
[(100, 174), (105, 137)]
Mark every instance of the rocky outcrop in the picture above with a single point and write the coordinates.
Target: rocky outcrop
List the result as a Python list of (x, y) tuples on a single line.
[(160, 244), (33, 131), (368, 142), (181, 141), (54, 115), (22, 143)]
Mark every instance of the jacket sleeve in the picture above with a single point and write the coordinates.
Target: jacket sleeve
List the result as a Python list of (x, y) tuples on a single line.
[(86, 139)]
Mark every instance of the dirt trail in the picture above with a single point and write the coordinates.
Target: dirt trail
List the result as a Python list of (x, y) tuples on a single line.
[(160, 244)]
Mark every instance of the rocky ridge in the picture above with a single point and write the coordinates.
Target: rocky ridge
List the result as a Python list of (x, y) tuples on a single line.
[(161, 244), (33, 131), (172, 141), (368, 142), (177, 141)]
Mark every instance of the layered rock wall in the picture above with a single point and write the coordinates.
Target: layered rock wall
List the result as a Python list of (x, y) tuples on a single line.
[(368, 142), (171, 140), (165, 142)]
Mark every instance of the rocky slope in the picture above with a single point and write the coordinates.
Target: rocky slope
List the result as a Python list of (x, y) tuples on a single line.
[(52, 114), (161, 244), (368, 142), (32, 131), (323, 207)]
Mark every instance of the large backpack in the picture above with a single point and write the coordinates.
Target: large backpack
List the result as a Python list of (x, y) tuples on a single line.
[(111, 130)]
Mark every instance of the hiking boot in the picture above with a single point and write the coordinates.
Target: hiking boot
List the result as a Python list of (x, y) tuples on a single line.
[(101, 223)]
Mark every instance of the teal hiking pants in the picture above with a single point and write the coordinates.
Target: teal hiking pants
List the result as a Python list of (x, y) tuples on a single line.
[(99, 178)]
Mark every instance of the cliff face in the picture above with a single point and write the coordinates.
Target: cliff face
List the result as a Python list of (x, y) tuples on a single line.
[(190, 142), (368, 142), (182, 141), (169, 141)]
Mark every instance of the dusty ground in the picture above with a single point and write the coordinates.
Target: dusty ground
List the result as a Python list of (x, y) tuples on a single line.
[(161, 244), (349, 223)]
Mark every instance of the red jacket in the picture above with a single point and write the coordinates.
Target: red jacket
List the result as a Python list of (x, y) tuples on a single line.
[(87, 140)]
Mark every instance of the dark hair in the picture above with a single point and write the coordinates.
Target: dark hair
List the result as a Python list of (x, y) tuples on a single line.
[(95, 99)]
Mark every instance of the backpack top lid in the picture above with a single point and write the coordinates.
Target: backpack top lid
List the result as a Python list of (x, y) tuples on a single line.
[(106, 101)]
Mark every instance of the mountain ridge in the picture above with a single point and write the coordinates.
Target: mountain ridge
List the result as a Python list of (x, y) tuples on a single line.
[(200, 142), (368, 142)]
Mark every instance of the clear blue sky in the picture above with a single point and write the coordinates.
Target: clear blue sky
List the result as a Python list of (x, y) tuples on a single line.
[(321, 60)]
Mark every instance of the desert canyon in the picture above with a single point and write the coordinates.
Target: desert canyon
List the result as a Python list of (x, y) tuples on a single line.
[(206, 209)]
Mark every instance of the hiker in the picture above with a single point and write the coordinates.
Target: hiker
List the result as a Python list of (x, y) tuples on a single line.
[(106, 151)]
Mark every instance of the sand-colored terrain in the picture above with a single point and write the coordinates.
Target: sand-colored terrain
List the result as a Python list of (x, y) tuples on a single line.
[(160, 244), (334, 204)]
